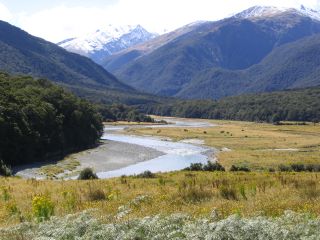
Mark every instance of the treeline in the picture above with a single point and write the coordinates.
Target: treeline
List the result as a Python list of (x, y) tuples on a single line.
[(120, 112), (41, 121), (293, 105)]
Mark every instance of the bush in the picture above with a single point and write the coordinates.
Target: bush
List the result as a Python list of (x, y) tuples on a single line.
[(146, 174), (283, 168), (195, 167), (209, 167), (313, 168), (4, 169), (298, 167), (239, 169), (87, 174)]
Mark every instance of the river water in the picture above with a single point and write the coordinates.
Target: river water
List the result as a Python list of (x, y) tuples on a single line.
[(176, 155)]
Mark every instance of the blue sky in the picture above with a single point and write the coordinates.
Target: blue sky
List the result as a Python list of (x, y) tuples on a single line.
[(56, 20)]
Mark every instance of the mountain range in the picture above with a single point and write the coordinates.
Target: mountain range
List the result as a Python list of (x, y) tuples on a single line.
[(24, 54), (261, 49), (107, 41), (248, 52)]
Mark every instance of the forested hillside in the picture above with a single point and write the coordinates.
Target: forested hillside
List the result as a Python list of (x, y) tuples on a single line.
[(293, 105), (40, 121), (293, 65)]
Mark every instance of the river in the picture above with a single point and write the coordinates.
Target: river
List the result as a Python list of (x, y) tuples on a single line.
[(176, 155), (123, 154)]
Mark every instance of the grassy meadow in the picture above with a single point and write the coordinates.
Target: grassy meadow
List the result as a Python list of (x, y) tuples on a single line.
[(257, 145), (197, 194)]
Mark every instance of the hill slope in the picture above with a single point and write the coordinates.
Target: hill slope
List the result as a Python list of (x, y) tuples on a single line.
[(289, 105), (293, 65), (235, 43), (22, 53)]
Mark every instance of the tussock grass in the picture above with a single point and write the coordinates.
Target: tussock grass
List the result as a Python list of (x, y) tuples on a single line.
[(194, 193)]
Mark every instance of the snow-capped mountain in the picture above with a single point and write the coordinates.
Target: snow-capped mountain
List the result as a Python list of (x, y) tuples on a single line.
[(269, 11), (107, 41)]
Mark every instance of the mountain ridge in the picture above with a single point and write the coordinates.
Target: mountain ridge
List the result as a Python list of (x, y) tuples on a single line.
[(232, 44), (24, 54), (260, 11), (107, 41)]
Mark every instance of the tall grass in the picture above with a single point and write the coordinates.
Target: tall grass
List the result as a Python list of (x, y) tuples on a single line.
[(194, 193)]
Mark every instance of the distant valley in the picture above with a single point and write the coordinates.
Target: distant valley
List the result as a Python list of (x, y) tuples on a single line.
[(253, 51)]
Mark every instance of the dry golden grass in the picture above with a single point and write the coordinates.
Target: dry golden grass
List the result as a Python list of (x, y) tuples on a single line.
[(252, 144), (188, 192)]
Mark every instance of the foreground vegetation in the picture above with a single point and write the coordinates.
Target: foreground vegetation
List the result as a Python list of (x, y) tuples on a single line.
[(192, 193), (257, 146), (179, 226)]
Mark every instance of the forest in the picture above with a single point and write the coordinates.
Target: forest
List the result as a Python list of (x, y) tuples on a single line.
[(41, 121), (289, 105)]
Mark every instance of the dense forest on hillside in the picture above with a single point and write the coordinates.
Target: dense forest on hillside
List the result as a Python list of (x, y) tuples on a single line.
[(291, 105), (120, 112), (41, 121)]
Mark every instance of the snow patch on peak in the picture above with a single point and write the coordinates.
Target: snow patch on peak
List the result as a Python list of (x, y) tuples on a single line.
[(314, 14), (270, 11), (260, 11), (107, 41)]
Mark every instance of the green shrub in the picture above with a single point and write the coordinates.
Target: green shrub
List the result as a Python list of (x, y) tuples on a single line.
[(313, 168), (209, 167), (5, 170), (298, 167), (283, 168), (239, 169), (195, 167), (146, 174), (87, 174)]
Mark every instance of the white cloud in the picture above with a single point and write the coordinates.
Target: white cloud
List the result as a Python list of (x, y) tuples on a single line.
[(5, 14), (61, 22)]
